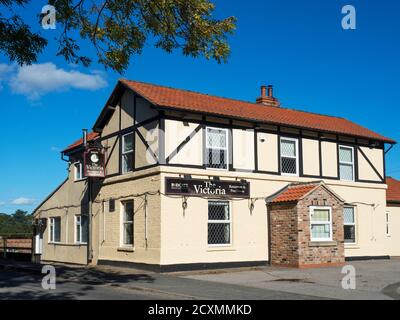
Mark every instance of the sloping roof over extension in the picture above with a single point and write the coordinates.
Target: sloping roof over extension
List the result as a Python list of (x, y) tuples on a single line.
[(393, 190), (165, 97), (297, 191)]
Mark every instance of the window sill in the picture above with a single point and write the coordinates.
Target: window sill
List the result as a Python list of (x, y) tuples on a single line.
[(79, 180), (227, 247), (80, 244), (126, 249), (322, 243), (351, 246)]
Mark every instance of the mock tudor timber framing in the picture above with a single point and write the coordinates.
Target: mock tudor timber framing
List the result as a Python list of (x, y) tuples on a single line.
[(255, 127)]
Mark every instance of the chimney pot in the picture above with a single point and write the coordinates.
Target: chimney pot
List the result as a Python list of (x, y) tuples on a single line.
[(270, 91), (263, 91), (267, 97)]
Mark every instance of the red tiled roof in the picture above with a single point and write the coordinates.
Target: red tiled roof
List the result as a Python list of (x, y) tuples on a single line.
[(90, 136), (393, 190), (293, 193), (198, 102)]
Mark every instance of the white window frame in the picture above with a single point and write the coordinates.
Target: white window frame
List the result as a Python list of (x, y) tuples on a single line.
[(52, 229), (312, 208), (347, 163), (123, 152), (352, 224), (80, 229), (221, 222), (207, 146), (296, 157), (123, 222), (80, 171), (387, 223)]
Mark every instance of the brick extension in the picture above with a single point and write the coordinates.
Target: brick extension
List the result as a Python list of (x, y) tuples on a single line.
[(291, 244)]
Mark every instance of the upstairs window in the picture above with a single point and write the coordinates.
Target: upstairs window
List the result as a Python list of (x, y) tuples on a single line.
[(321, 223), (289, 156), (216, 153), (127, 152), (349, 225), (55, 229), (346, 163), (81, 229), (78, 171)]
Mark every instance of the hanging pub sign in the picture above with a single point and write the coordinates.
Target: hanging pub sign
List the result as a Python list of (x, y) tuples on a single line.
[(207, 188), (94, 163)]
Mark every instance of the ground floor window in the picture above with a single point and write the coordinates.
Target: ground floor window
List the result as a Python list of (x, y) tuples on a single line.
[(55, 229), (321, 223), (349, 225), (127, 223), (219, 223), (81, 229)]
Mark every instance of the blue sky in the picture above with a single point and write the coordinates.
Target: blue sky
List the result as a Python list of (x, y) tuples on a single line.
[(298, 46)]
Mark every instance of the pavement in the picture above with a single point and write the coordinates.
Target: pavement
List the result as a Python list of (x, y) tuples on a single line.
[(374, 280), (23, 281)]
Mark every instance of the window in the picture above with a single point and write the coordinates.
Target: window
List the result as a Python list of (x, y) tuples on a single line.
[(216, 154), (321, 223), (387, 224), (349, 225), (346, 163), (55, 229), (219, 223), (127, 152), (289, 156), (111, 205), (78, 171), (127, 223), (81, 229)]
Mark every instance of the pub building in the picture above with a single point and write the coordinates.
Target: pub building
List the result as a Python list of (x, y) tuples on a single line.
[(170, 179)]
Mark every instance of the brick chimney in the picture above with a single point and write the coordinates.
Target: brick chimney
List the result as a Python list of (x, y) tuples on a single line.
[(268, 99)]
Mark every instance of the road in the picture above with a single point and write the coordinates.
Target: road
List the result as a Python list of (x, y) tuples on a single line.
[(84, 284)]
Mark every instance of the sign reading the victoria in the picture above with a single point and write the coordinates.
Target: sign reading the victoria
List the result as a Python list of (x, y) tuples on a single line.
[(207, 188), (94, 163)]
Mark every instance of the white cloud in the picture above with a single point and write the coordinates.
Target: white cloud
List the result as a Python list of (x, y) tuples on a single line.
[(23, 201), (5, 71), (2, 203), (36, 80)]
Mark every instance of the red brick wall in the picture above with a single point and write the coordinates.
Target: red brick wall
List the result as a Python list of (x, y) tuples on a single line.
[(324, 254), (290, 233), (284, 237)]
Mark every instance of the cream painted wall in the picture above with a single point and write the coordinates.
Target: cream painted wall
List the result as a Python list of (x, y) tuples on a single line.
[(109, 223), (329, 159), (144, 110), (112, 154), (365, 170), (243, 149), (393, 238), (113, 124), (267, 146), (370, 205), (70, 194), (175, 133), (310, 156), (127, 107), (150, 133), (184, 233)]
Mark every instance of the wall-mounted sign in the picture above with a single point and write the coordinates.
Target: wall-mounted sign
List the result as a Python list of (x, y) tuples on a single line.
[(207, 188), (94, 164)]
